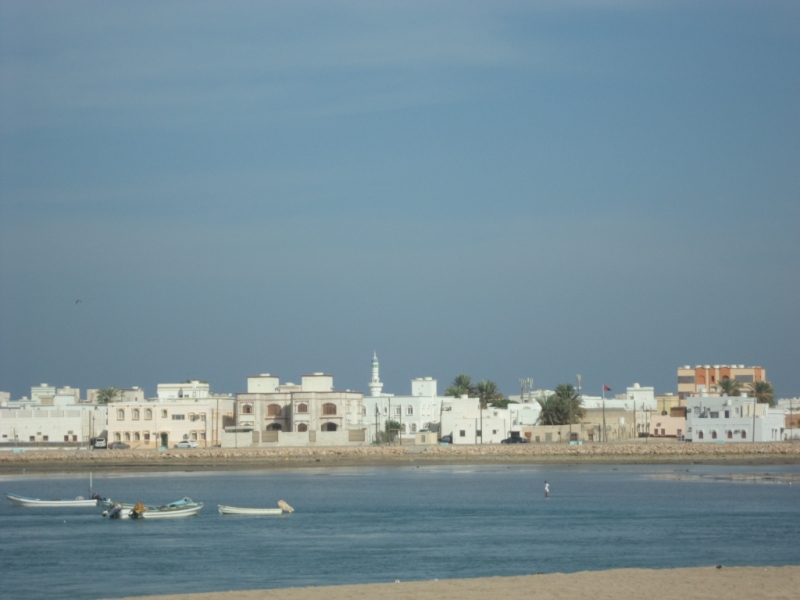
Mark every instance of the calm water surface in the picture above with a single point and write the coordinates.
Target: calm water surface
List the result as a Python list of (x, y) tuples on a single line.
[(383, 524)]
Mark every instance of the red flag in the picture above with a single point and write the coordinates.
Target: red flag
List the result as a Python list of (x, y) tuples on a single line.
[(606, 388)]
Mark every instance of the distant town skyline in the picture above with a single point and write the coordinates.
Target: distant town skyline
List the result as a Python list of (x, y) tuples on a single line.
[(503, 189)]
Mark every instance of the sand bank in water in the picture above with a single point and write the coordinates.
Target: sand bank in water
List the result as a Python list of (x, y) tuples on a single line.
[(621, 584)]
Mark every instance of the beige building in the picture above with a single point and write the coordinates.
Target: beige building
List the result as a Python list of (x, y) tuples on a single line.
[(153, 424), (706, 378), (309, 413)]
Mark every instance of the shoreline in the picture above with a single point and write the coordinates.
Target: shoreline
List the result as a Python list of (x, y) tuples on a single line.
[(213, 459), (695, 583)]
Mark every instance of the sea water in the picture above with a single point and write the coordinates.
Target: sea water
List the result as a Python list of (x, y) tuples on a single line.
[(363, 525)]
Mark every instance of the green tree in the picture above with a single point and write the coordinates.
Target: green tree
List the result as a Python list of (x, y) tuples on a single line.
[(488, 392), (731, 387), (462, 385), (763, 392), (389, 433), (107, 395), (562, 407)]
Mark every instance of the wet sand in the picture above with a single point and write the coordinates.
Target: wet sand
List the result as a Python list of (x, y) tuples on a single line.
[(704, 583)]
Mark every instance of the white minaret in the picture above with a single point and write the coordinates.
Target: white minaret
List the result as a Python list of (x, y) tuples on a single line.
[(375, 386)]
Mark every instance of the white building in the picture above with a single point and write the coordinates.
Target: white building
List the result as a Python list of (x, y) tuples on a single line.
[(61, 425), (188, 389), (419, 412), (732, 419), (463, 419)]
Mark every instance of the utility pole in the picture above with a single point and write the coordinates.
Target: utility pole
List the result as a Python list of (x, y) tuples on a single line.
[(605, 436)]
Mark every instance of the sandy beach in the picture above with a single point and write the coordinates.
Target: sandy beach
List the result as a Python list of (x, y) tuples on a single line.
[(639, 452), (621, 584)]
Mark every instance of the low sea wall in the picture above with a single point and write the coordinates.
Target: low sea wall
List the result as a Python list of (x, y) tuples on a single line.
[(59, 459)]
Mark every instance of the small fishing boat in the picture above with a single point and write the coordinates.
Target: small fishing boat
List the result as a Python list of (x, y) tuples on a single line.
[(238, 510), (80, 501), (139, 511), (108, 503)]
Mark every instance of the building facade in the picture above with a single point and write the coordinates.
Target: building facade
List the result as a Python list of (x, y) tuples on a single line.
[(720, 419), (693, 381)]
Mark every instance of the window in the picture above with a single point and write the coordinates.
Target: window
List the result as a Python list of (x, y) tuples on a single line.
[(194, 435), (178, 417), (202, 435), (274, 427), (274, 410), (247, 409), (302, 408), (462, 433), (147, 437), (329, 409), (329, 427), (744, 434), (66, 438), (135, 414), (117, 437), (302, 427), (403, 428), (120, 414), (727, 414), (127, 436), (409, 410), (730, 435), (164, 413), (663, 432), (398, 410), (413, 428), (699, 435), (202, 416), (714, 415), (32, 438), (148, 414), (45, 438), (363, 410), (192, 417), (136, 437), (713, 435)]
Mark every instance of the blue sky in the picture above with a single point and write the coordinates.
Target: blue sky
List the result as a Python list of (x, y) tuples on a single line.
[(504, 189)]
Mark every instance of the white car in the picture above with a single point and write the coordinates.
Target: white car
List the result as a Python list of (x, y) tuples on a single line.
[(186, 444)]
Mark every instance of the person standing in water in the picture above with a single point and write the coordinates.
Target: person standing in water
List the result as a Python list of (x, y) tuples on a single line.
[(546, 490)]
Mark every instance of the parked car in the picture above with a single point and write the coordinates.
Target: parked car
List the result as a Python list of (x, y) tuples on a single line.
[(99, 443), (186, 444), (446, 439), (118, 446), (514, 439)]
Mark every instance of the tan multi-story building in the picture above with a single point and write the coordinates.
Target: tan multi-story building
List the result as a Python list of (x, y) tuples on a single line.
[(298, 415), (705, 378)]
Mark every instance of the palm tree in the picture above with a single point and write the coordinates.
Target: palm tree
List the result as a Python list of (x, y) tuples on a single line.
[(763, 392), (563, 407), (488, 392), (462, 385), (730, 387), (107, 395)]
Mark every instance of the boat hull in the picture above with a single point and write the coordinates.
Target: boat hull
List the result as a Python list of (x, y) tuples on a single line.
[(17, 500), (238, 510), (159, 512)]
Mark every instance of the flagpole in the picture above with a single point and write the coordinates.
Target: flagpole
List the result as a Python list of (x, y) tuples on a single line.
[(605, 436)]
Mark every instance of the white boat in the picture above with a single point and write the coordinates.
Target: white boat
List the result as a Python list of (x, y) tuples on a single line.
[(155, 512), (238, 510), (18, 500), (108, 503)]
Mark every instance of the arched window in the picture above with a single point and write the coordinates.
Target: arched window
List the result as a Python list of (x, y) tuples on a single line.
[(409, 410), (194, 435), (744, 434), (202, 435), (363, 410), (413, 428), (135, 414), (274, 427), (136, 437), (329, 409), (302, 427), (274, 410), (302, 408), (127, 436), (247, 409), (120, 414), (147, 437), (148, 414), (329, 426), (730, 435), (699, 435), (714, 435), (202, 416), (403, 428), (117, 437), (192, 417)]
